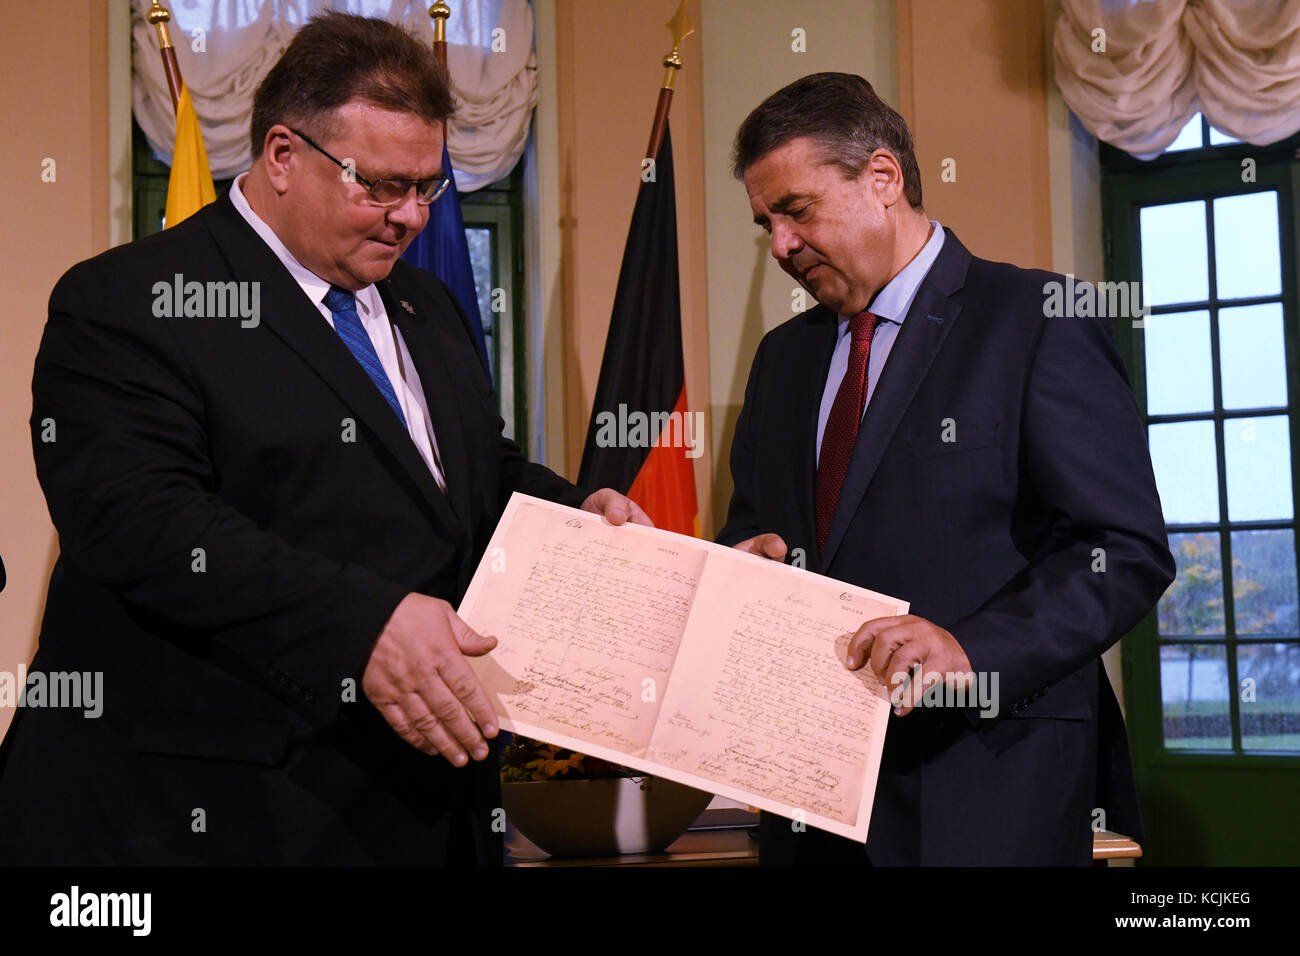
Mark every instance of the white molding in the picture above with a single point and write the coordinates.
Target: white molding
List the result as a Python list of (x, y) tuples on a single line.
[(120, 196)]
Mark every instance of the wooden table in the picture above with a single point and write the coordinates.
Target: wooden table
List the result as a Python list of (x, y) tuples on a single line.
[(733, 847)]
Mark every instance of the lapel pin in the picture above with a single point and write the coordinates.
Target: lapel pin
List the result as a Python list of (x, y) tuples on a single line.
[(407, 306)]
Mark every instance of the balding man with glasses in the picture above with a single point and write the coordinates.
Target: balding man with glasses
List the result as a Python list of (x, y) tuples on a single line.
[(265, 525)]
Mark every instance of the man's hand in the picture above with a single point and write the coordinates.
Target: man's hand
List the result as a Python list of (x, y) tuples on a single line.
[(418, 679), (910, 654), (764, 545), (616, 508)]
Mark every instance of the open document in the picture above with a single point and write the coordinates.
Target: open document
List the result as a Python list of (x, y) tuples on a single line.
[(682, 658)]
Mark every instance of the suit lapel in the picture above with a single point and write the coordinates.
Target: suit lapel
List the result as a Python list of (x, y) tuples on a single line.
[(291, 315), (440, 396), (813, 367), (927, 324)]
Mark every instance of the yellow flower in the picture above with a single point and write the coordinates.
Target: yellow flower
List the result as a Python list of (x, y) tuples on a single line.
[(550, 764)]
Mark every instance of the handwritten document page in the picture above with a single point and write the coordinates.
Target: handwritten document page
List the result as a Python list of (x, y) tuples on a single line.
[(682, 658)]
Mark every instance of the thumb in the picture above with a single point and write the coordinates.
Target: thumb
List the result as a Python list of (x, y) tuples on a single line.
[(470, 642), (771, 546)]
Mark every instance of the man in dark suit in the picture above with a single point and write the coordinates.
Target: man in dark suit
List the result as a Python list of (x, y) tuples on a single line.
[(926, 431), (273, 458)]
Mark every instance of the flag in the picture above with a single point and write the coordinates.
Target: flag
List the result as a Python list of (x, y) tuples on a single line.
[(442, 249), (640, 420), (190, 187)]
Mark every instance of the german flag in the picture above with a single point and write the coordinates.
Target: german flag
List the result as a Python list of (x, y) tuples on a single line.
[(637, 441)]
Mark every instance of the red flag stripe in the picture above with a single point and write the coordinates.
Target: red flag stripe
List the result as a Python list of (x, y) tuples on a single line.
[(665, 485)]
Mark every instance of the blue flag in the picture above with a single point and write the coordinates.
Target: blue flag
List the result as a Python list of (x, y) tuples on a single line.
[(441, 248)]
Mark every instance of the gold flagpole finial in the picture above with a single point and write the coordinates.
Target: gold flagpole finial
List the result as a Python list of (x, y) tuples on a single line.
[(158, 15), (440, 12), (680, 26)]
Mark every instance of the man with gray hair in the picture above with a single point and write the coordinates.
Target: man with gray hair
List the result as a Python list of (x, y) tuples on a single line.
[(928, 432)]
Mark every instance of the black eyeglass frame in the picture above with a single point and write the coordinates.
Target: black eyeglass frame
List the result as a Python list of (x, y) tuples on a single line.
[(435, 187)]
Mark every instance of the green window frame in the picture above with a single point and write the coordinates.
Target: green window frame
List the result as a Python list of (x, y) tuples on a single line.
[(494, 217), (1190, 792)]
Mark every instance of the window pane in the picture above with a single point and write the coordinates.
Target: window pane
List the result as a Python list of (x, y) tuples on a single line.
[(1252, 357), (1258, 455), (1179, 376), (1247, 258), (1193, 605), (1174, 259), (1187, 471), (1194, 694), (1220, 139), (1271, 720), (1189, 137), (1264, 582), (479, 240)]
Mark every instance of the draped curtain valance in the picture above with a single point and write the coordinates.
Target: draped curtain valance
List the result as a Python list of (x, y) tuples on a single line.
[(226, 47), (1135, 71)]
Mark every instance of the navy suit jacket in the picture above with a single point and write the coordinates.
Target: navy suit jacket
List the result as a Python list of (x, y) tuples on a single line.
[(231, 674), (993, 535)]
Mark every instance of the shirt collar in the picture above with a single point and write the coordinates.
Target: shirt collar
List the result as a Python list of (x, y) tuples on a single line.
[(313, 285), (892, 302)]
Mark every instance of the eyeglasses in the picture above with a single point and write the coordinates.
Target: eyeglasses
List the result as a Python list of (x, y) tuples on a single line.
[(387, 192)]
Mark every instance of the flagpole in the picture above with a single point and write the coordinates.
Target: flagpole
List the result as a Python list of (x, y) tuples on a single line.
[(681, 28), (159, 15), (440, 12)]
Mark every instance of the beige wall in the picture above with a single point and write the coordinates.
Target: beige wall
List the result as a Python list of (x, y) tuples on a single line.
[(607, 63), (972, 86), (748, 54), (56, 55)]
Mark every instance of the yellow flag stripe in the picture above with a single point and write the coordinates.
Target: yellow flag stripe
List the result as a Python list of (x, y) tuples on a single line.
[(190, 187)]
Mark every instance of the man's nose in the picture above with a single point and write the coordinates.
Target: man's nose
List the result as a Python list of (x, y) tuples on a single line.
[(408, 212), (785, 242)]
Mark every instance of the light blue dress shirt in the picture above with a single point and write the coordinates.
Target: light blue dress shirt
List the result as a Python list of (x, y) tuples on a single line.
[(890, 306)]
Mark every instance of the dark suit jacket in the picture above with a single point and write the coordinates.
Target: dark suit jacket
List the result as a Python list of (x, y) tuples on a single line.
[(991, 536), (234, 726)]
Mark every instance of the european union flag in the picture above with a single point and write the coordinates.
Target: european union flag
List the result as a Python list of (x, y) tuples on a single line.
[(441, 248)]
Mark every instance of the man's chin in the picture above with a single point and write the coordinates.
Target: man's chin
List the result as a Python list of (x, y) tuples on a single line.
[(378, 262)]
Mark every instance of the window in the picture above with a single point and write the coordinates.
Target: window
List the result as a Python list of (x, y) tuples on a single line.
[(1212, 677), (494, 229), (1208, 228)]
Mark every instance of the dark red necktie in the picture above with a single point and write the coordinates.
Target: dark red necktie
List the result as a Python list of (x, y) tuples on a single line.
[(842, 424)]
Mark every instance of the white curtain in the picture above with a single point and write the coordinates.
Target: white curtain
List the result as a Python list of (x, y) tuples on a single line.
[(1156, 63), (226, 47)]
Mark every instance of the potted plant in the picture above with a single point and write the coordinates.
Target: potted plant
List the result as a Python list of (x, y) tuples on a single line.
[(570, 804)]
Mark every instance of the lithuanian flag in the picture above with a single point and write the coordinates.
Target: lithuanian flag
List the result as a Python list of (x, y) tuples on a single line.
[(190, 187)]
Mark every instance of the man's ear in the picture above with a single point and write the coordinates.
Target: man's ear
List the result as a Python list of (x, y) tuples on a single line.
[(278, 156), (886, 176)]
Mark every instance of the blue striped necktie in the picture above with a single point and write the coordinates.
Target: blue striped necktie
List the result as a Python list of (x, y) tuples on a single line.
[(343, 305)]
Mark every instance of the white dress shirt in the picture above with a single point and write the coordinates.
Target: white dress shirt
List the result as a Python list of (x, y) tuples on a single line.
[(890, 307), (386, 339)]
